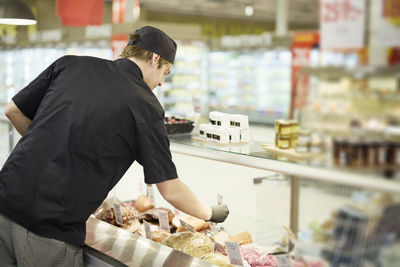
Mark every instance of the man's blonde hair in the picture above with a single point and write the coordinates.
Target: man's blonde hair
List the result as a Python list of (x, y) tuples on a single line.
[(142, 54)]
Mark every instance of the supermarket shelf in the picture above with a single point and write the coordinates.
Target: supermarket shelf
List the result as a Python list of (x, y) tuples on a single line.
[(358, 72), (252, 157)]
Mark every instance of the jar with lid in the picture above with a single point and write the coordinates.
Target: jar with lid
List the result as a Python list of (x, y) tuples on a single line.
[(381, 150), (355, 153), (341, 153)]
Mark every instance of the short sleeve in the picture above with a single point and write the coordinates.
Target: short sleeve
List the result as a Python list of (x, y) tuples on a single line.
[(30, 97), (154, 152)]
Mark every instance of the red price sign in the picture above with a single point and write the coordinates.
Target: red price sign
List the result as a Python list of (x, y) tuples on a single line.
[(340, 10)]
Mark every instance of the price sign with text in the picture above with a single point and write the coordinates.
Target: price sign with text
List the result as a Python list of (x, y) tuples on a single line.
[(150, 194), (234, 253), (342, 23), (147, 229), (283, 261), (163, 220), (118, 215)]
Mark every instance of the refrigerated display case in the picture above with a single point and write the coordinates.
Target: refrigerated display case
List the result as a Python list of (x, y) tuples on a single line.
[(187, 81), (255, 83)]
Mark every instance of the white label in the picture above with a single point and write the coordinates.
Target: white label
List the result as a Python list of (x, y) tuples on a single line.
[(147, 229), (142, 188), (187, 226), (382, 155), (163, 219), (234, 253), (213, 227), (283, 260), (150, 194), (398, 156), (342, 158), (118, 216), (220, 199)]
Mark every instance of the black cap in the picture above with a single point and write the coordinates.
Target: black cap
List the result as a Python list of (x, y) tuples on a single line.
[(156, 41)]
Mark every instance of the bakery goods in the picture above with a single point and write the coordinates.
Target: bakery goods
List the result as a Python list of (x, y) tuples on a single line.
[(143, 203), (217, 259), (198, 224), (152, 215), (194, 244), (159, 235), (108, 215), (242, 238)]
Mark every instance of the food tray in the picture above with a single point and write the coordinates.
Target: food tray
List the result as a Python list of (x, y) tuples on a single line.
[(289, 153), (178, 126)]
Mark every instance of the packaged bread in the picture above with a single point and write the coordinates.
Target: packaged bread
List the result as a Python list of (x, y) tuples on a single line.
[(220, 238), (108, 215), (193, 244), (159, 235), (143, 203), (217, 259), (152, 215), (242, 238), (198, 224)]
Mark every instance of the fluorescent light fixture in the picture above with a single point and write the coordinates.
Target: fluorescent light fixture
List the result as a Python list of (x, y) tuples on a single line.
[(16, 12), (248, 10)]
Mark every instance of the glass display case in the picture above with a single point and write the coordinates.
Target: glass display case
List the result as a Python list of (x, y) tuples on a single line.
[(187, 81)]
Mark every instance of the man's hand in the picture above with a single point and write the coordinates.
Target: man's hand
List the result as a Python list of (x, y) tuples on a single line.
[(219, 213)]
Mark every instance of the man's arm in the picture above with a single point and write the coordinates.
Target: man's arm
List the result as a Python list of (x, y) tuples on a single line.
[(181, 197), (17, 118)]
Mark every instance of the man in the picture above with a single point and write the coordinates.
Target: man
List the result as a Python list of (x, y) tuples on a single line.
[(83, 122)]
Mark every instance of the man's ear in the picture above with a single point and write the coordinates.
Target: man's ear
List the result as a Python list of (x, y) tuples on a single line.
[(155, 59)]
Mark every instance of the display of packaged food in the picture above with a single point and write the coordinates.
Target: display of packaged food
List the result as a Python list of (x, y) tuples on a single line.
[(176, 125), (194, 244), (143, 203), (242, 238)]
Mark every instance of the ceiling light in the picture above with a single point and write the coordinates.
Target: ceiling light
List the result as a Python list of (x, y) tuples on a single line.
[(248, 10), (16, 12)]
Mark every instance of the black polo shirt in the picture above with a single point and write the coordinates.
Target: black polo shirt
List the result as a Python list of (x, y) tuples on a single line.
[(91, 119)]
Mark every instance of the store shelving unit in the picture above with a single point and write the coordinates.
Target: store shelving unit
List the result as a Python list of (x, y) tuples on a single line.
[(255, 83), (187, 80), (338, 96)]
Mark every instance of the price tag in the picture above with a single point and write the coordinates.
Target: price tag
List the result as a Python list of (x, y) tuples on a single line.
[(283, 260), (187, 226), (163, 219), (177, 212), (213, 227), (147, 229), (150, 194), (220, 199), (142, 188), (118, 215), (234, 253)]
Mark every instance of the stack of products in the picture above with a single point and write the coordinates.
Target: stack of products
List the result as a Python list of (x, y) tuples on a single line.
[(286, 133), (226, 128), (359, 152)]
